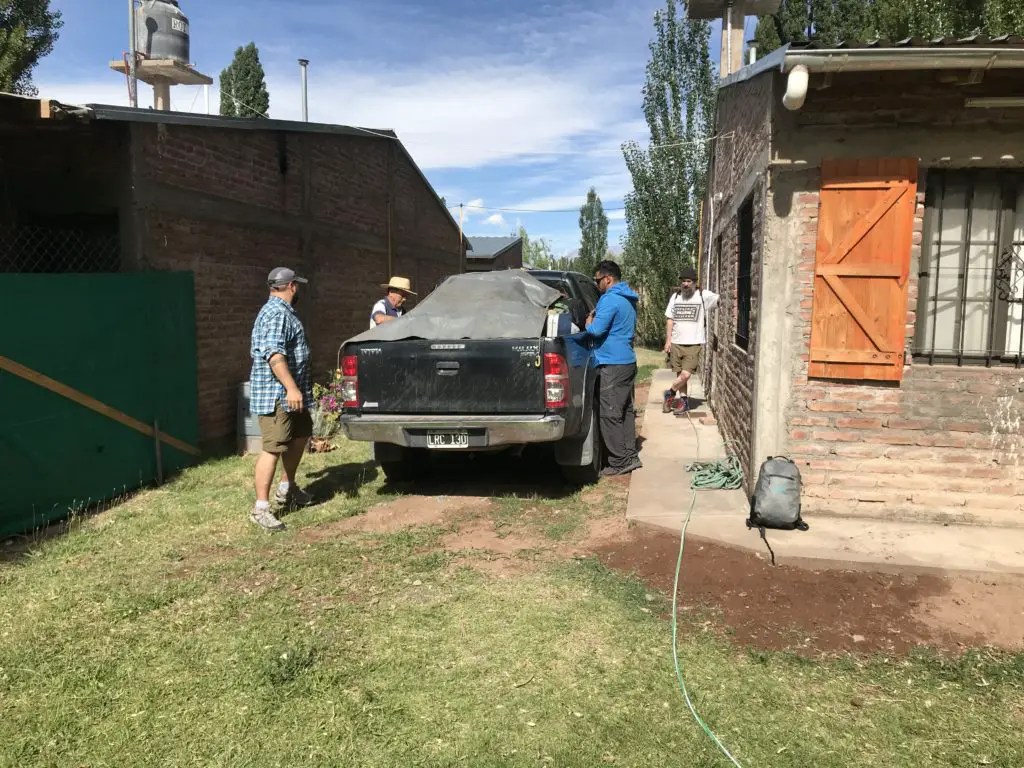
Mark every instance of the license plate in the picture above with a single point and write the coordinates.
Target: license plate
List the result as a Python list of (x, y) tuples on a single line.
[(447, 440)]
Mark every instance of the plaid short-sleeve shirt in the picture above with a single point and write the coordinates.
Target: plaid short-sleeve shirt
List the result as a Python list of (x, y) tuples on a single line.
[(278, 330)]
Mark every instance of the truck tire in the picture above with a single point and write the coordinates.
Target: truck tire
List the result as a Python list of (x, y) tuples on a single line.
[(400, 471), (398, 464), (589, 473)]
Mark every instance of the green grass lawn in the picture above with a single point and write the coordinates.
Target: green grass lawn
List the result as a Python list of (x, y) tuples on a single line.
[(647, 362), (170, 632)]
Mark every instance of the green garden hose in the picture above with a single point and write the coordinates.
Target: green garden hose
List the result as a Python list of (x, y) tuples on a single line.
[(718, 475)]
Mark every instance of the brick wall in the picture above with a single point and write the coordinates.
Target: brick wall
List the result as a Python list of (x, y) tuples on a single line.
[(743, 122), (733, 368), (943, 445), (740, 161), (232, 204)]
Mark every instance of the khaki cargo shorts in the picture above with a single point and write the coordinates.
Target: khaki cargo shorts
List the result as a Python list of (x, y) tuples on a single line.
[(280, 429), (684, 357)]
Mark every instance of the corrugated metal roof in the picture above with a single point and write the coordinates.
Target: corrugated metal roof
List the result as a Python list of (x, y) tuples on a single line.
[(974, 41), (490, 247)]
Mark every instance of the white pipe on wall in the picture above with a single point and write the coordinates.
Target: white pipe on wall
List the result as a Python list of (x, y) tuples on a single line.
[(796, 87)]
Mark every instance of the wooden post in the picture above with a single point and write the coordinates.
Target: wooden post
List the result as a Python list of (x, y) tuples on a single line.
[(159, 455)]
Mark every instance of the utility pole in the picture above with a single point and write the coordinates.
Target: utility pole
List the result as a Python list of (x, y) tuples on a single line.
[(462, 254), (133, 57)]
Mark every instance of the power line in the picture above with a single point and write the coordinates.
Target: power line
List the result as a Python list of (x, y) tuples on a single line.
[(526, 210), (581, 152), (503, 209)]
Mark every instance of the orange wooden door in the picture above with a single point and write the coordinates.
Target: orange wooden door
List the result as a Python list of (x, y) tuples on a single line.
[(862, 262)]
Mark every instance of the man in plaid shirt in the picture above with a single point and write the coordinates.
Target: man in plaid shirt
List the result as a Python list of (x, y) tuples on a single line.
[(281, 394)]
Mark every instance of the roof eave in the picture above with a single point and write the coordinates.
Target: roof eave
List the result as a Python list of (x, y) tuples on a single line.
[(903, 59)]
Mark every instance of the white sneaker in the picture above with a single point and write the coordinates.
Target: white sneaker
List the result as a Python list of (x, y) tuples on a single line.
[(266, 520)]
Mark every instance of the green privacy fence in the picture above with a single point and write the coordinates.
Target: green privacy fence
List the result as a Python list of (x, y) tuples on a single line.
[(124, 343)]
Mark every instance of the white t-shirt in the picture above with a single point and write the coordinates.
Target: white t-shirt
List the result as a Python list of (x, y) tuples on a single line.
[(687, 316), (384, 307)]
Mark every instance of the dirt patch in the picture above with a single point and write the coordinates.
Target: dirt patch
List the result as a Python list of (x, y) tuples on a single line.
[(813, 612), (481, 535), (993, 609), (484, 550), (402, 513)]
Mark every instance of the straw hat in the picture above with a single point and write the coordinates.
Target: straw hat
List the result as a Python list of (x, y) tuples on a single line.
[(399, 284)]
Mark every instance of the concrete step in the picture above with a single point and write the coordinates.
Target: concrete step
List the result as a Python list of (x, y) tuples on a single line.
[(914, 513), (951, 532)]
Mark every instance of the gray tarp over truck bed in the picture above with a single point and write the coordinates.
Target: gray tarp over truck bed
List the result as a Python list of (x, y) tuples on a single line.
[(486, 305)]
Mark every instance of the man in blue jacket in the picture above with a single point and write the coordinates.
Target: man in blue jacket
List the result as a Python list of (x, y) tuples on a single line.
[(613, 326)]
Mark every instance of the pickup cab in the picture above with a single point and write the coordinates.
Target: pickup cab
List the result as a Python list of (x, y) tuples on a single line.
[(411, 396)]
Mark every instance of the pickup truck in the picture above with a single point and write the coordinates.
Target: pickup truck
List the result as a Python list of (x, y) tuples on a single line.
[(473, 392)]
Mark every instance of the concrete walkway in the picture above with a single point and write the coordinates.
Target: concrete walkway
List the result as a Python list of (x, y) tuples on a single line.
[(660, 495)]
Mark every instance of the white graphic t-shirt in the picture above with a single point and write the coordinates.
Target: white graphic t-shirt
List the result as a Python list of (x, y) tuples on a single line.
[(687, 316)]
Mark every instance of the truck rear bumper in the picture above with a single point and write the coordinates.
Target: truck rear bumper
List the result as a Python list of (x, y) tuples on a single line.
[(482, 431)]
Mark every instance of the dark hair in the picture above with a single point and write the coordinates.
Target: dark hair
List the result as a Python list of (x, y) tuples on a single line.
[(608, 268)]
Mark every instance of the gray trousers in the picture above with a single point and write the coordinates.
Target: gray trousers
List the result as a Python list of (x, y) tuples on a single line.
[(618, 419)]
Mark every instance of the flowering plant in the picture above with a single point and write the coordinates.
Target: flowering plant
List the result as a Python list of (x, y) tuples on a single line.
[(327, 406)]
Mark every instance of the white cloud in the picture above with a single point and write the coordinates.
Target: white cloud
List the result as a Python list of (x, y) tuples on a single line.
[(461, 115), (497, 220), (618, 215)]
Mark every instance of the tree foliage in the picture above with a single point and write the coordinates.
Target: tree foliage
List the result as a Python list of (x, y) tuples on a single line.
[(28, 31), (593, 234), (670, 176), (537, 253), (243, 85), (832, 21)]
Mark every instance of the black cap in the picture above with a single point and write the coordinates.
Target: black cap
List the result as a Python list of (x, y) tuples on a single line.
[(688, 273), (281, 276)]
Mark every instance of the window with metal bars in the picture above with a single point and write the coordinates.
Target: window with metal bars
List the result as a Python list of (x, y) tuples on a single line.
[(971, 289)]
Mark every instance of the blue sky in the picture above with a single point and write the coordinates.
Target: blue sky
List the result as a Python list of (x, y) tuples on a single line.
[(503, 105)]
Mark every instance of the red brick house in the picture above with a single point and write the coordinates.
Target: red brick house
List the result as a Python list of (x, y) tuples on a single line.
[(865, 226), (487, 254), (227, 199)]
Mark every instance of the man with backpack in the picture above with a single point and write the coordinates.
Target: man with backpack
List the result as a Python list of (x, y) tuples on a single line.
[(686, 329)]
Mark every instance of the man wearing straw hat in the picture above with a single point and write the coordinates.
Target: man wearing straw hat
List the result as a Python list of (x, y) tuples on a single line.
[(390, 307)]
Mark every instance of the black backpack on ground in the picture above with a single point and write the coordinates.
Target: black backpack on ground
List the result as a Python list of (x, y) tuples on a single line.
[(776, 500)]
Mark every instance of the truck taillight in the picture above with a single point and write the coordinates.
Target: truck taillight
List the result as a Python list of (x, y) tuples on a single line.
[(556, 381), (350, 381)]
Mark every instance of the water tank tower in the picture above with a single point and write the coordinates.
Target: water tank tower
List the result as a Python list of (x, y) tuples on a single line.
[(159, 50), (162, 31)]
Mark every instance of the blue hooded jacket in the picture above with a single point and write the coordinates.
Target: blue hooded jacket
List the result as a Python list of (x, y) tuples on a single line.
[(614, 326)]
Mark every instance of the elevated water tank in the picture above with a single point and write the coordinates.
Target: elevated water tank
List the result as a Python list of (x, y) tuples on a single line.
[(162, 31)]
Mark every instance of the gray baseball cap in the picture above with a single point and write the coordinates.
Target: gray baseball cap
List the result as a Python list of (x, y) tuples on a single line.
[(282, 276)]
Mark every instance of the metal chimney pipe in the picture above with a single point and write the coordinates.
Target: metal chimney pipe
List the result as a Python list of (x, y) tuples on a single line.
[(304, 63)]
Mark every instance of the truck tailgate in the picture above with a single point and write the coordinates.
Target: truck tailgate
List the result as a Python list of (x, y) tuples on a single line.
[(464, 377)]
